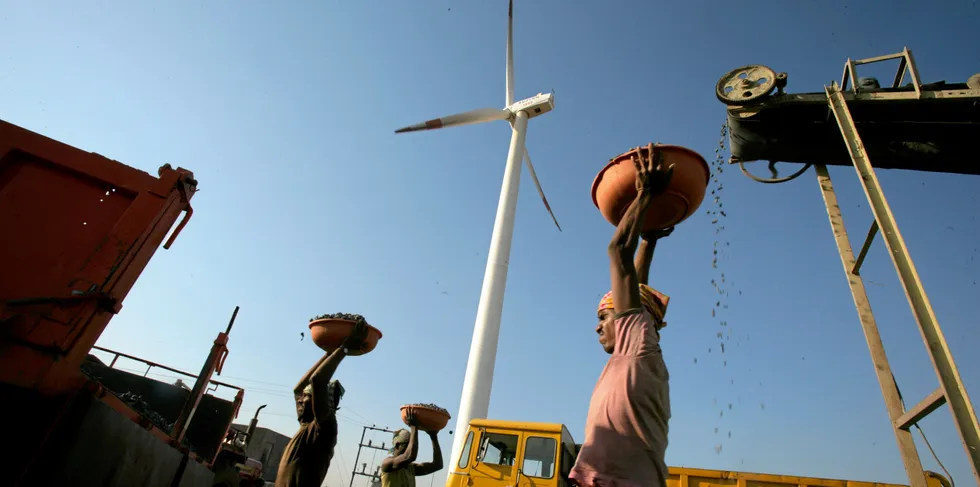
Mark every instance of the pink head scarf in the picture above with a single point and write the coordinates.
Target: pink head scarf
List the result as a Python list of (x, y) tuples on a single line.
[(653, 301)]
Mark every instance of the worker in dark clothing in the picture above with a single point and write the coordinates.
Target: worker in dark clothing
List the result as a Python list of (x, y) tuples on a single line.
[(307, 456)]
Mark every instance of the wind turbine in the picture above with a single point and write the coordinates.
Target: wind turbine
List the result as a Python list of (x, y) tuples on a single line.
[(475, 401)]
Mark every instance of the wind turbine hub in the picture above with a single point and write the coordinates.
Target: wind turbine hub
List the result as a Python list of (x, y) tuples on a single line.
[(536, 105)]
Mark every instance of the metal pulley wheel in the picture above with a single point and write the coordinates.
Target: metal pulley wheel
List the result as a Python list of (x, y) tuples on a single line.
[(746, 84)]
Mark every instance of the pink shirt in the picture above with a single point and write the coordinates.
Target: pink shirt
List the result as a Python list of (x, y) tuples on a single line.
[(626, 430)]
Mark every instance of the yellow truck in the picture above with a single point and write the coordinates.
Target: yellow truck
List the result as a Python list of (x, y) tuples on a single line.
[(522, 454)]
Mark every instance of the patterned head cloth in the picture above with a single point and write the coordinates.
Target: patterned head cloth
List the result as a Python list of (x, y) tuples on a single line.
[(335, 391), (401, 436), (653, 301)]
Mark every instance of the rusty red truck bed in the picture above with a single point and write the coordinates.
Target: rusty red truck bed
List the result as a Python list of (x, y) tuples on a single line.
[(76, 231)]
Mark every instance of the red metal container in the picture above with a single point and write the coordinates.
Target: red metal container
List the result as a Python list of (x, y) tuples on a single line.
[(78, 231)]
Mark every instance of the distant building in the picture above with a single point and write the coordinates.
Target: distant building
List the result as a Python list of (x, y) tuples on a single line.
[(267, 447)]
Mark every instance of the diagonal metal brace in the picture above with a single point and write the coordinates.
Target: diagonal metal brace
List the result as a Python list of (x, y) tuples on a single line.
[(889, 388), (865, 248), (921, 410), (950, 382)]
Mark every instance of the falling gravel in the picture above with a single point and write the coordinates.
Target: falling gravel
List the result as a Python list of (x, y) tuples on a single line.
[(722, 285)]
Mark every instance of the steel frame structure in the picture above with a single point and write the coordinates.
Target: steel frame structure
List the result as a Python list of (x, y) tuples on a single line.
[(951, 390), (360, 445)]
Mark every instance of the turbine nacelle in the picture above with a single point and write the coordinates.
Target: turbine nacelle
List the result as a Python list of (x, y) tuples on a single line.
[(536, 105)]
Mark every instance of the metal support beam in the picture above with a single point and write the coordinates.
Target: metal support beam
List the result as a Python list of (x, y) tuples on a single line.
[(878, 59), (950, 382), (214, 363), (866, 247), (900, 74), (850, 72), (914, 72), (358, 457), (889, 390), (906, 63), (921, 410)]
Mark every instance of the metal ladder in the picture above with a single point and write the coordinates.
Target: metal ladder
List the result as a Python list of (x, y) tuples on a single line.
[(951, 390)]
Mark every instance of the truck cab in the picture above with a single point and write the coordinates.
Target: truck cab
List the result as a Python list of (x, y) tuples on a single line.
[(513, 453), (522, 454)]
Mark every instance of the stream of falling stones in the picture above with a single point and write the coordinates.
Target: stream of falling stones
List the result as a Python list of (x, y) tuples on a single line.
[(723, 286)]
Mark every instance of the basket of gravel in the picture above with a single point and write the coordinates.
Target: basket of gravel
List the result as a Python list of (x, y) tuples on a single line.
[(329, 332), (428, 417)]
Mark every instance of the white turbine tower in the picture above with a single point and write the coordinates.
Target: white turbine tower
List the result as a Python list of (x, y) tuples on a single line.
[(475, 401)]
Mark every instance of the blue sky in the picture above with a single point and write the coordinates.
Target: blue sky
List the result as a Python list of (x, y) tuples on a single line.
[(310, 204)]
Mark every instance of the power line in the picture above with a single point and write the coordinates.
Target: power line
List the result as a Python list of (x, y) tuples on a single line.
[(277, 384), (343, 466), (373, 457), (357, 414)]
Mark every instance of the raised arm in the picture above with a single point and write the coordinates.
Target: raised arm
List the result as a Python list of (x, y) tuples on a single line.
[(321, 374), (320, 364), (644, 254), (625, 284), (652, 179), (435, 465), (644, 257), (404, 459)]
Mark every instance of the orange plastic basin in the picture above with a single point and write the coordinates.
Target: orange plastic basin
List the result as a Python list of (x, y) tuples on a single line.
[(426, 419), (614, 188), (329, 334)]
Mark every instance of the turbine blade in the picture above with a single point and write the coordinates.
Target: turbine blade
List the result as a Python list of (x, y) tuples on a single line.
[(537, 184), (466, 118), (510, 54)]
